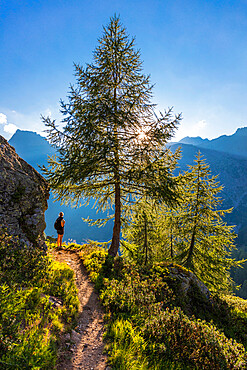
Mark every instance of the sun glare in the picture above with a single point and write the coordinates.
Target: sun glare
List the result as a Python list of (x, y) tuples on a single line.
[(141, 135)]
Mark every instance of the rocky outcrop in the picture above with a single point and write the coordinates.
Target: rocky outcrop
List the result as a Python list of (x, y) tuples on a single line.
[(187, 280), (23, 196), (192, 295)]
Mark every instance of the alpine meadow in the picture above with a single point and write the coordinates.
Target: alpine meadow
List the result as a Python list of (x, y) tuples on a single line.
[(163, 293)]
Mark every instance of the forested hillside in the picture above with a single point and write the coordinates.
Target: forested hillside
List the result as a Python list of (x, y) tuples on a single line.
[(160, 316)]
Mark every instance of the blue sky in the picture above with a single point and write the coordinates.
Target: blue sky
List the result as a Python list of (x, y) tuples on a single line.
[(195, 52)]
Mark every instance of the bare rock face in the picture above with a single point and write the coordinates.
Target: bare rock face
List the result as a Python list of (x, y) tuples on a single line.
[(23, 197)]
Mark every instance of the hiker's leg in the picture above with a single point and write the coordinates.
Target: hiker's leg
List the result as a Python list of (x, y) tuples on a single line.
[(59, 240)]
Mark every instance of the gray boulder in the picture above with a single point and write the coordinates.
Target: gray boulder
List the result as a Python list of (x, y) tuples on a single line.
[(23, 197), (187, 280)]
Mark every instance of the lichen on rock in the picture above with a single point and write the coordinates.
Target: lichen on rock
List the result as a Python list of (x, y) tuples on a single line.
[(23, 197)]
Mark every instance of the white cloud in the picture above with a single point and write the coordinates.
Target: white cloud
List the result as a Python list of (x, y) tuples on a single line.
[(3, 119), (10, 128), (11, 120), (7, 127)]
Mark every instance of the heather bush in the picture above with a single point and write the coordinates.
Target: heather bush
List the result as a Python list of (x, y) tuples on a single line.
[(170, 334), (194, 342), (134, 296)]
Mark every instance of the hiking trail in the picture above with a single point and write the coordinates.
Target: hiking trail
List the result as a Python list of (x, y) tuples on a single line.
[(83, 348)]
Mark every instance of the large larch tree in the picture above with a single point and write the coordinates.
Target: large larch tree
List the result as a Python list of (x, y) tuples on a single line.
[(112, 144)]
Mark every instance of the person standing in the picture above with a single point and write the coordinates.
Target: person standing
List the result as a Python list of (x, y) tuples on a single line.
[(60, 229)]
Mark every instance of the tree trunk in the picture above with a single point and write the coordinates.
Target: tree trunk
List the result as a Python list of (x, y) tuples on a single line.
[(145, 247), (171, 239), (191, 249), (117, 223), (192, 242)]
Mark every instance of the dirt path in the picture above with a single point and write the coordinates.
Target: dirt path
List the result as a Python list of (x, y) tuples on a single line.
[(83, 349)]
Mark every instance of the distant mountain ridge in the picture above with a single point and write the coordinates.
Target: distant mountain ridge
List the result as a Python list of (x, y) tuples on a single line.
[(33, 146), (232, 144)]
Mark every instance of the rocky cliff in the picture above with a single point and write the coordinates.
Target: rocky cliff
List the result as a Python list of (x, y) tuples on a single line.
[(23, 196)]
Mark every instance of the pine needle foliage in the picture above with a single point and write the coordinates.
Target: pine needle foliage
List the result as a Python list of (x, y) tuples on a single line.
[(205, 242), (145, 238), (193, 233), (112, 145)]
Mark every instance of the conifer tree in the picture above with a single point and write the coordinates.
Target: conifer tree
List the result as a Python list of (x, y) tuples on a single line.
[(112, 145), (147, 234), (192, 233), (205, 241), (139, 233)]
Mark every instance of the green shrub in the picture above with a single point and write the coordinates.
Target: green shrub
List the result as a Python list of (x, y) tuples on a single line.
[(20, 264), (134, 296), (127, 346), (35, 349), (194, 342), (30, 324), (25, 337), (60, 283)]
